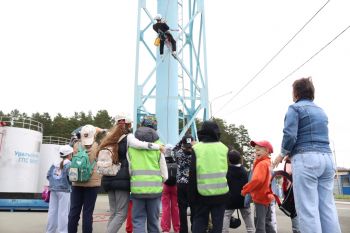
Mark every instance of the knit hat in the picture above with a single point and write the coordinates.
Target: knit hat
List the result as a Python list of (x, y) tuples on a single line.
[(149, 121)]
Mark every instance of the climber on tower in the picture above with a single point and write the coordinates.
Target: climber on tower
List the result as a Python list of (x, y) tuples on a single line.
[(163, 32)]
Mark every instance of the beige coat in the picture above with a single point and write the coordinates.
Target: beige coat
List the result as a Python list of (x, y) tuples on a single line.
[(95, 179)]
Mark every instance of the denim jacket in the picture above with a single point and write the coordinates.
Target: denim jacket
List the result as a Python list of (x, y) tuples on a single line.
[(58, 179), (305, 129)]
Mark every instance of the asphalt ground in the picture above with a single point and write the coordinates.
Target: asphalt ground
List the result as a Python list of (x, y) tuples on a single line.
[(35, 222)]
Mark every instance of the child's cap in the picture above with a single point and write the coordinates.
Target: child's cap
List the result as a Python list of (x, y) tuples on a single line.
[(186, 141), (263, 143), (65, 150)]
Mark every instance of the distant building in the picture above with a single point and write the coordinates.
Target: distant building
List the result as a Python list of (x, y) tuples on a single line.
[(342, 181)]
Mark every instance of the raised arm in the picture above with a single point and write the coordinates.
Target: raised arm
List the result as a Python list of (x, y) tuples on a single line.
[(135, 143)]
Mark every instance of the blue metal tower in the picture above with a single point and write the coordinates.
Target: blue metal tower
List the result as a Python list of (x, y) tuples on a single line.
[(175, 90)]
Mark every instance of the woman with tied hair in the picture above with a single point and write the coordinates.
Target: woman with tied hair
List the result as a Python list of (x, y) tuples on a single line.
[(115, 145), (306, 142)]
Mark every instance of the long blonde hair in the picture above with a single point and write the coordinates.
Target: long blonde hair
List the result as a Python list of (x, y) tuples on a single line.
[(111, 140)]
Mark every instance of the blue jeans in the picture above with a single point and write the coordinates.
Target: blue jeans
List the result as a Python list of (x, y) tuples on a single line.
[(313, 177), (82, 196), (145, 209)]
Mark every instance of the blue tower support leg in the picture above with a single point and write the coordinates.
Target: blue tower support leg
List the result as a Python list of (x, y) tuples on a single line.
[(167, 82)]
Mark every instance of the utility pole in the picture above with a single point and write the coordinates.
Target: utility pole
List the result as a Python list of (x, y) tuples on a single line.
[(336, 170)]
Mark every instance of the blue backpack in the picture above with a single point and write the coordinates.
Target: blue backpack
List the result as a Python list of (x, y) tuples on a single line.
[(81, 169)]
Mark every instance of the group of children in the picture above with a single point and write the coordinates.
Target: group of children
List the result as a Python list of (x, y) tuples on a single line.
[(68, 201)]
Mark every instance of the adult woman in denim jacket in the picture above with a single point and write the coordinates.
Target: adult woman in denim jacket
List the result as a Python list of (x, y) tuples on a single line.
[(306, 142)]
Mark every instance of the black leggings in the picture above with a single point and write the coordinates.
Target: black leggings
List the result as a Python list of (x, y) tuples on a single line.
[(172, 41)]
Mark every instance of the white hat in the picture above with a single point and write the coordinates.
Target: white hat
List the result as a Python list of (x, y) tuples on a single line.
[(87, 134), (123, 116), (158, 17), (65, 150)]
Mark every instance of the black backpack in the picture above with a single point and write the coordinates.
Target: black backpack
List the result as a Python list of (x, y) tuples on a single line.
[(287, 204), (172, 170)]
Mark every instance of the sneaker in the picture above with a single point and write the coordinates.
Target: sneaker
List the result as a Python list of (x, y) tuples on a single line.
[(161, 56), (174, 53)]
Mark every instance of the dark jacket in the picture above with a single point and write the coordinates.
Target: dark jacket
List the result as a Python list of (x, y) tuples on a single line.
[(161, 29), (122, 180), (209, 132), (237, 177)]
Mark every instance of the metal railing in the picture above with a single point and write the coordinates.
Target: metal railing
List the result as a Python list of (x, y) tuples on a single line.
[(55, 140), (22, 122)]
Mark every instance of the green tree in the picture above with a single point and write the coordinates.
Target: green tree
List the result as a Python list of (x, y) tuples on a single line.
[(60, 126), (74, 122), (243, 140), (103, 120), (86, 119), (45, 120), (15, 113), (235, 138)]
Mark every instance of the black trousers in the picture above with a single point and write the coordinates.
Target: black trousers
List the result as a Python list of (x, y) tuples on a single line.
[(183, 203), (201, 217), (162, 41)]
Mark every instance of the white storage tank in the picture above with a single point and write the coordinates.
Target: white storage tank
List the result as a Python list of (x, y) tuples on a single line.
[(20, 155), (49, 155)]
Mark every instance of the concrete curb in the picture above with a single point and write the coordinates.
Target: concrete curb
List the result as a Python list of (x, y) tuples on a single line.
[(343, 202)]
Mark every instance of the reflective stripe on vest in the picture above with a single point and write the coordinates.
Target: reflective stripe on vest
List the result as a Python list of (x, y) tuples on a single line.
[(145, 171), (211, 166)]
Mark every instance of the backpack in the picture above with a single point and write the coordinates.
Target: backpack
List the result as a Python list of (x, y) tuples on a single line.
[(287, 205), (81, 169), (172, 170), (105, 165)]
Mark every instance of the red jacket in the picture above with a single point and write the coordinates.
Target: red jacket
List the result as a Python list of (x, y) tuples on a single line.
[(259, 185)]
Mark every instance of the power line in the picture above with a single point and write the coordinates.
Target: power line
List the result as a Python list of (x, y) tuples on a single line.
[(273, 58), (291, 73)]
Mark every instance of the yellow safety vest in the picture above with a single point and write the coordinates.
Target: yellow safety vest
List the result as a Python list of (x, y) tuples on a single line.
[(211, 166), (145, 171)]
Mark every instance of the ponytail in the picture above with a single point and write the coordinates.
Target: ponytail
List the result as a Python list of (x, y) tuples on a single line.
[(61, 164)]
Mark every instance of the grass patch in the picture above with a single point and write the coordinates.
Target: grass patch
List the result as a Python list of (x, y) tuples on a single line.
[(343, 197)]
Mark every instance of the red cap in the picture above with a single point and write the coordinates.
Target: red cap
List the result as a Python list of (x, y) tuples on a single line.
[(265, 144)]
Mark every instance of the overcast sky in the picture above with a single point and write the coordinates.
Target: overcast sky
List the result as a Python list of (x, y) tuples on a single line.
[(71, 56)]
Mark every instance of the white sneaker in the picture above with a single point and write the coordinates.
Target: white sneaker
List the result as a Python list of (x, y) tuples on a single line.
[(173, 53), (161, 56)]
